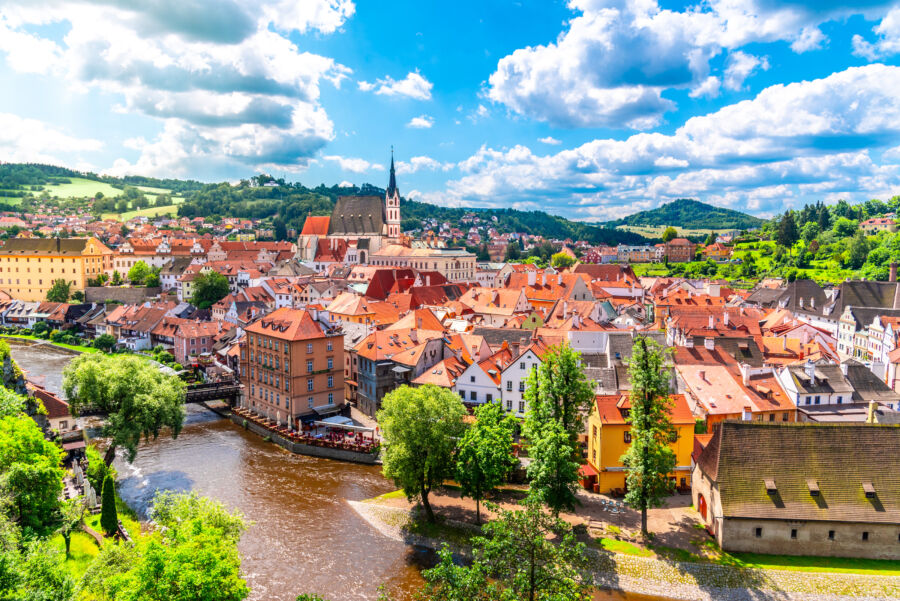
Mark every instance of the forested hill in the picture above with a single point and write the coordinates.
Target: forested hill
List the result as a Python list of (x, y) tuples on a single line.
[(17, 179), (691, 214)]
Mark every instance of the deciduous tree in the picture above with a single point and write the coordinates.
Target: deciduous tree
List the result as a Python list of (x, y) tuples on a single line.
[(71, 515), (558, 390), (562, 260), (59, 291), (139, 400), (484, 456), (553, 471), (650, 458), (138, 273), (209, 288), (420, 427), (669, 234)]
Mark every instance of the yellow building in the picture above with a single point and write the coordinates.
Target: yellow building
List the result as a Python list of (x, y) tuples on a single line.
[(28, 266), (609, 436)]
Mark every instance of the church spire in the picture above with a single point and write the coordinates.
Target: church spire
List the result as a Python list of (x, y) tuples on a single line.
[(392, 183)]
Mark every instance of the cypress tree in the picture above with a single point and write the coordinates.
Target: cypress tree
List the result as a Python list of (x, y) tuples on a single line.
[(109, 518)]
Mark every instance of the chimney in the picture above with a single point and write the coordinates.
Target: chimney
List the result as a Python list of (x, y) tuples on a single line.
[(565, 309), (532, 277), (712, 323), (710, 343), (702, 374), (810, 369), (844, 368), (725, 319), (812, 302), (784, 343), (873, 408), (746, 415), (893, 276), (543, 278), (745, 374)]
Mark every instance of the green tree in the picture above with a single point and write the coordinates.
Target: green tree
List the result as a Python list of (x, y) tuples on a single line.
[(669, 234), (71, 516), (105, 342), (562, 260), (524, 554), (650, 458), (710, 239), (152, 279), (844, 227), (138, 398), (138, 273), (420, 427), (485, 456), (209, 288), (109, 516), (787, 230), (59, 291), (513, 251), (44, 575), (30, 474), (116, 279), (279, 229), (558, 390), (809, 231), (859, 250), (553, 471)]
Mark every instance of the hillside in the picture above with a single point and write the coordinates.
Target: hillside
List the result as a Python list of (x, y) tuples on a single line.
[(691, 214)]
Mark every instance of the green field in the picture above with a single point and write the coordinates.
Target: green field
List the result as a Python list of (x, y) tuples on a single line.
[(657, 231), (81, 188), (170, 210)]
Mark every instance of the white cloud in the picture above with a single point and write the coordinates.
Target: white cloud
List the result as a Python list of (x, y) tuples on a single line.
[(550, 140), (412, 86), (887, 42), (30, 140), (758, 153), (421, 122), (353, 165), (709, 88), (345, 184), (740, 66), (479, 113), (421, 162), (610, 66), (225, 86)]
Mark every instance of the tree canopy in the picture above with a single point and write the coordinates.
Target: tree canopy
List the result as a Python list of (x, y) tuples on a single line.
[(138, 273), (209, 288), (59, 291), (139, 400), (420, 427)]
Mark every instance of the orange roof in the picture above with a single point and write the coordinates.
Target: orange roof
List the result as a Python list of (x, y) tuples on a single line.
[(443, 374), (288, 324), (613, 409), (316, 226)]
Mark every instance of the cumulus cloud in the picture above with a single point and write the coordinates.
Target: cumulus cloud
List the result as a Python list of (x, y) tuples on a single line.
[(887, 38), (801, 139), (741, 66), (421, 162), (421, 122), (611, 64), (353, 165), (412, 86), (30, 140), (550, 140), (222, 77)]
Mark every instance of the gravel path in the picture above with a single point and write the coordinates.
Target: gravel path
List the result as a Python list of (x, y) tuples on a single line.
[(685, 580)]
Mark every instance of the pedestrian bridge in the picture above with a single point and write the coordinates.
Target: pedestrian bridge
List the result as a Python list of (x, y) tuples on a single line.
[(227, 390)]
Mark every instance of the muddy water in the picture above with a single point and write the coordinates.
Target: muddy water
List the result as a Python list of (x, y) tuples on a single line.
[(305, 537)]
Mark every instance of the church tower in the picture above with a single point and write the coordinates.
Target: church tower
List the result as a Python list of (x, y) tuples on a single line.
[(392, 204)]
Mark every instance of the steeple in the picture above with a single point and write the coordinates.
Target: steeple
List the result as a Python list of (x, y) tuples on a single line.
[(392, 183)]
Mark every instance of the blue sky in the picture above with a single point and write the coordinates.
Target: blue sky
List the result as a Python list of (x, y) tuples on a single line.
[(591, 109)]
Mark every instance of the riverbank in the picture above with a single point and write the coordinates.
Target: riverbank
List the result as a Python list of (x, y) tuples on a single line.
[(655, 576), (43, 341)]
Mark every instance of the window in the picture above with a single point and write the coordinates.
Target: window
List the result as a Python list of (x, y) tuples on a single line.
[(462, 394), (63, 425), (865, 535), (509, 405), (473, 396), (489, 398), (471, 378), (839, 400), (309, 402), (831, 535), (309, 384), (771, 417), (331, 398), (521, 406), (785, 416), (521, 386), (627, 437), (287, 385), (509, 385), (309, 347), (330, 381), (309, 365), (793, 533), (818, 399), (330, 346), (808, 400), (330, 363), (276, 345), (522, 365), (758, 532)]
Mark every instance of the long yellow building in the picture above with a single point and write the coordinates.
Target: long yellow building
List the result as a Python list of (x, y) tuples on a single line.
[(609, 436), (28, 266)]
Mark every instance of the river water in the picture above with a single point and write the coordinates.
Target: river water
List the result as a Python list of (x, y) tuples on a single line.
[(304, 536)]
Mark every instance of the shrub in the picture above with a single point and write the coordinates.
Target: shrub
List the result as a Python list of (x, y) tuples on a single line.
[(109, 517)]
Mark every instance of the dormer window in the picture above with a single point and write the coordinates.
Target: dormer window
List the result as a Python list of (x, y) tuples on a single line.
[(813, 487), (771, 489), (868, 489)]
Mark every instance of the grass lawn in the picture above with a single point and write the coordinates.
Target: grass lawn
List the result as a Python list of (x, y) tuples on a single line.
[(72, 347), (657, 230), (171, 210), (623, 546), (395, 494), (881, 567), (80, 188), (82, 551), (126, 515)]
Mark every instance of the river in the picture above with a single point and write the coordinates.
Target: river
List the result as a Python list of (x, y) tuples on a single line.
[(304, 535)]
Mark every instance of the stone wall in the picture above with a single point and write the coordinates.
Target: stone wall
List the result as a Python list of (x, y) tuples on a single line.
[(812, 538), (305, 449)]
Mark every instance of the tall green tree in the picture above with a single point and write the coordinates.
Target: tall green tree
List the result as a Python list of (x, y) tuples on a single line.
[(420, 428), (553, 470), (559, 390), (484, 456), (279, 229), (71, 516), (109, 515), (524, 554), (787, 230), (138, 273), (116, 279), (562, 260), (139, 400), (30, 474), (209, 288), (859, 250), (669, 234), (650, 458), (59, 291)]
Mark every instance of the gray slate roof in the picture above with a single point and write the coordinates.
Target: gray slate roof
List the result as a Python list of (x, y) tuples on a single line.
[(359, 215)]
